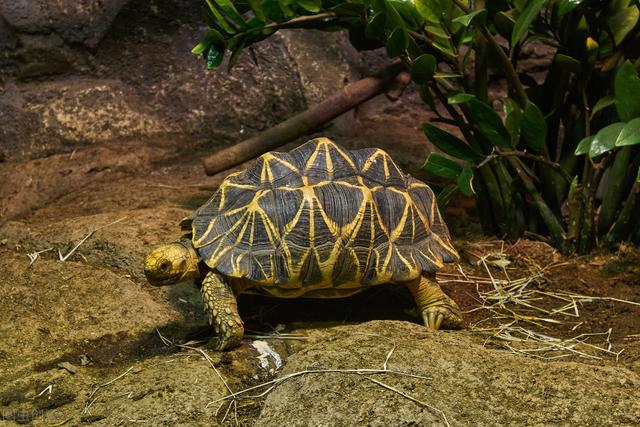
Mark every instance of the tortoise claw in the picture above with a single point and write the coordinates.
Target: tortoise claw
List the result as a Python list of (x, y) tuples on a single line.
[(442, 316), (225, 342)]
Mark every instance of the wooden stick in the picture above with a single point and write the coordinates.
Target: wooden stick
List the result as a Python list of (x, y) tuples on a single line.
[(350, 96)]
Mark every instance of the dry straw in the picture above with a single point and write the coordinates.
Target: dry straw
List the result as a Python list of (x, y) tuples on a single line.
[(519, 310)]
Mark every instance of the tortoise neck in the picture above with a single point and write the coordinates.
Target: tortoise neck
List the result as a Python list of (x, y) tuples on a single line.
[(191, 271)]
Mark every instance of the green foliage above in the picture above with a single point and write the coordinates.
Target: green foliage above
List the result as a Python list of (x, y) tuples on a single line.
[(562, 156)]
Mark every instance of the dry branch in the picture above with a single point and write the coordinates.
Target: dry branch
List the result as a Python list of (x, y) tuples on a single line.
[(349, 97)]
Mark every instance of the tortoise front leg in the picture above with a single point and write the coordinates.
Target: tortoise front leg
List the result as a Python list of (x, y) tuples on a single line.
[(222, 309), (438, 310)]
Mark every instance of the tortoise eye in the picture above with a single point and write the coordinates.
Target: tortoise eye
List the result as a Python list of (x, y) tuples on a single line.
[(165, 266)]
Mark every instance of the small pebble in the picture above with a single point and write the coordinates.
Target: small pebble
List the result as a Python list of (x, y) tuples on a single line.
[(72, 369)]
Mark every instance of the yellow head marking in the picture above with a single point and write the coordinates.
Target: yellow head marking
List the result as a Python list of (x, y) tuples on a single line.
[(170, 264)]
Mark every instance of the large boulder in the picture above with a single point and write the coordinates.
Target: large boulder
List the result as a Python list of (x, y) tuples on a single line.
[(74, 21), (140, 81), (77, 73), (78, 79), (468, 384)]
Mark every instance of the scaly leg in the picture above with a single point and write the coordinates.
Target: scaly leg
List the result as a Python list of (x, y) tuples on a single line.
[(222, 310), (438, 310)]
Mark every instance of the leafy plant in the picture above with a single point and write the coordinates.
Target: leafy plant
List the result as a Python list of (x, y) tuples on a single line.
[(560, 157)]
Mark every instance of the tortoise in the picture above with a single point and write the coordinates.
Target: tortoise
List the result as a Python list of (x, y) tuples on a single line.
[(319, 221)]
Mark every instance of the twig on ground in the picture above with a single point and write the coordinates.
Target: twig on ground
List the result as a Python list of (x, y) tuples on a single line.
[(259, 335), (411, 398), (33, 256), (277, 381), (99, 386), (206, 357), (49, 388), (63, 258)]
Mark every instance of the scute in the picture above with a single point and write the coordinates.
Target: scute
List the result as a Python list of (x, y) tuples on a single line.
[(340, 201), (321, 216), (378, 168)]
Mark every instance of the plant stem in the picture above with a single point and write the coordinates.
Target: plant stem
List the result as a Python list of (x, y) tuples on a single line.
[(622, 226), (587, 228), (576, 205), (481, 82), (296, 21), (613, 196), (524, 154), (450, 59), (550, 220), (510, 71)]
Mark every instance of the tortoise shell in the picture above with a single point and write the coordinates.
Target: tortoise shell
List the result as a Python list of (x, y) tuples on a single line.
[(320, 216)]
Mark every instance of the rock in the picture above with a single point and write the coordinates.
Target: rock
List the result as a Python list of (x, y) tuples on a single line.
[(325, 63), (78, 73), (140, 81), (75, 21), (7, 39), (181, 387), (469, 384), (69, 367), (76, 309)]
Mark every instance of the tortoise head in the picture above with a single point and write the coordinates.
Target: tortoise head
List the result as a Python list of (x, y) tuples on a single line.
[(172, 263)]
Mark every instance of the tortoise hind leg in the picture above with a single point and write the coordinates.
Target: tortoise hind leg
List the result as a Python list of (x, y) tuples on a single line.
[(222, 309), (438, 310)]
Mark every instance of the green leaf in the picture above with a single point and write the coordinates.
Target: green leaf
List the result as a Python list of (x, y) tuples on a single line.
[(459, 98), (602, 103), (512, 118), (567, 63), (605, 139), (533, 128), (566, 6), (397, 43), (285, 7), (466, 20), (504, 24), (465, 180), (375, 26), (220, 20), (231, 11), (256, 6), (214, 58), (408, 12), (426, 96), (272, 10), (585, 145), (441, 166), (527, 16), (437, 31), (627, 92), (512, 123), (394, 20), (431, 10), (449, 143), (444, 196), (347, 9), (236, 53), (488, 122), (201, 47), (509, 105), (622, 22), (423, 68), (630, 134), (309, 5)]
